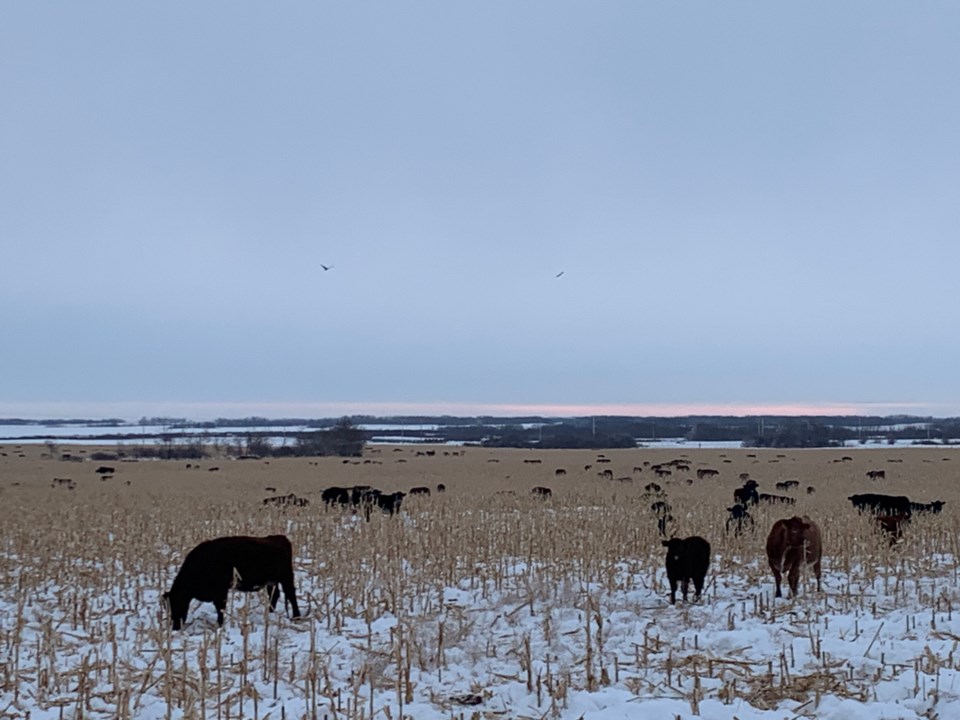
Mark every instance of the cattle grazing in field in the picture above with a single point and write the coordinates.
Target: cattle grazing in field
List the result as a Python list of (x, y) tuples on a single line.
[(663, 472), (105, 470), (441, 488), (243, 563), (541, 492), (706, 473), (290, 500), (882, 504), (876, 474), (811, 489), (739, 520), (606, 474), (793, 542), (774, 499), (420, 490), (388, 503), (932, 507), (559, 472), (652, 488), (687, 559)]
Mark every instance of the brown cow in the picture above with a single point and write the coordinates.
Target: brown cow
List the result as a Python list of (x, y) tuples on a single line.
[(792, 543)]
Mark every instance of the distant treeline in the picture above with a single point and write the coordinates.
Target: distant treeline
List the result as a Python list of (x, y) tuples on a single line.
[(346, 436)]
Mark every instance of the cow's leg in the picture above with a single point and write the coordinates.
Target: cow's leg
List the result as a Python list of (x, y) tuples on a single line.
[(685, 585), (816, 571), (220, 604), (793, 576), (698, 584), (290, 594), (673, 591), (777, 575)]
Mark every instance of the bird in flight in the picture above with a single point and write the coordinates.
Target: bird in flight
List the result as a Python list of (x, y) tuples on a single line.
[(326, 267), (559, 273)]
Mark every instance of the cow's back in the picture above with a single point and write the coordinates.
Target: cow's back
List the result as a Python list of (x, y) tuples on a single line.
[(241, 561)]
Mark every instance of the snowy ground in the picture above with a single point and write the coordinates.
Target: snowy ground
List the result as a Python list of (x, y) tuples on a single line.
[(522, 642)]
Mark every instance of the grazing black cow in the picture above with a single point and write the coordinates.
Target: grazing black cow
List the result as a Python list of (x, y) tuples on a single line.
[(687, 559), (105, 470), (335, 495), (441, 487), (541, 492), (387, 502), (811, 489), (747, 495), (739, 519), (882, 504), (663, 472), (773, 499), (652, 488), (420, 490), (706, 473), (559, 471), (244, 563), (933, 507), (876, 474)]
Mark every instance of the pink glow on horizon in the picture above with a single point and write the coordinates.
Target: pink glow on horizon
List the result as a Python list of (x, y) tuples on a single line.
[(133, 410)]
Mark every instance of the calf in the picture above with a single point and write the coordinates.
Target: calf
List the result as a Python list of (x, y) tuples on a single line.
[(739, 519), (792, 543), (934, 507), (244, 563), (882, 504), (747, 495), (687, 559)]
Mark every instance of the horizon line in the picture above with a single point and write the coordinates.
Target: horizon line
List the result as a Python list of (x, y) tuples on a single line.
[(200, 411)]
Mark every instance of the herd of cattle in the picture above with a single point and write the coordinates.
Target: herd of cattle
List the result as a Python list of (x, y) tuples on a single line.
[(246, 563)]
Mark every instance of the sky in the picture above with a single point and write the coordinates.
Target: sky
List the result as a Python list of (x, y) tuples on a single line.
[(753, 205)]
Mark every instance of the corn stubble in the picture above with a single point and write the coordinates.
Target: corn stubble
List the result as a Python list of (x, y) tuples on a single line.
[(82, 571)]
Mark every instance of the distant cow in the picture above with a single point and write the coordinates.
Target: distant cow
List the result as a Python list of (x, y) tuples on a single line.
[(876, 474), (792, 543), (739, 519), (105, 470), (788, 484), (286, 500), (882, 504), (773, 499), (559, 471), (933, 507), (335, 496), (243, 563), (706, 473), (441, 487), (652, 488), (687, 559), (420, 490), (389, 503), (747, 495), (541, 492)]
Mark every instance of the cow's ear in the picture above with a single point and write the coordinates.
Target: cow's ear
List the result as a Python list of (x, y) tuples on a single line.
[(665, 543)]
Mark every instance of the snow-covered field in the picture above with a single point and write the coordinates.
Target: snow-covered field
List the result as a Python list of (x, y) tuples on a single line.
[(470, 606)]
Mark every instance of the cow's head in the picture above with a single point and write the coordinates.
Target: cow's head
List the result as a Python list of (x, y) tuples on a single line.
[(177, 606), (674, 548), (796, 531)]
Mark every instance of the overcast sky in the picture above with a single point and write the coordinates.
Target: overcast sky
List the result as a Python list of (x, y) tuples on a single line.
[(755, 207)]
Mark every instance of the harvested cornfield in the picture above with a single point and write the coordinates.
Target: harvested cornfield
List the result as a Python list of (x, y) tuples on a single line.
[(486, 600)]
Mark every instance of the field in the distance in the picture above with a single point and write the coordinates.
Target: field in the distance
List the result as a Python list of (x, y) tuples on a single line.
[(535, 609)]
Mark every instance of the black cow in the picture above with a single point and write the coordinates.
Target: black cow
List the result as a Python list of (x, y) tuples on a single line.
[(876, 474), (441, 488), (541, 492), (652, 488), (706, 473), (244, 563), (933, 507), (420, 490), (788, 484), (739, 519), (882, 504), (687, 559), (105, 470), (335, 495), (747, 495), (284, 500)]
